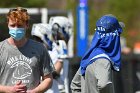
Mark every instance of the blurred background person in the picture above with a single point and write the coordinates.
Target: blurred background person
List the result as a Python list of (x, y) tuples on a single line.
[(55, 43), (42, 33), (61, 33)]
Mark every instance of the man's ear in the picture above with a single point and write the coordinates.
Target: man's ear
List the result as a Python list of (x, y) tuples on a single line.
[(27, 25)]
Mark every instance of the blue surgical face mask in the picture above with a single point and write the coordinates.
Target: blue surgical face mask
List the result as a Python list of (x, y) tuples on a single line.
[(17, 33)]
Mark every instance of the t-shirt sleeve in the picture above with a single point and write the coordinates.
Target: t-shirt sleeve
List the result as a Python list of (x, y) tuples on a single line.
[(47, 65)]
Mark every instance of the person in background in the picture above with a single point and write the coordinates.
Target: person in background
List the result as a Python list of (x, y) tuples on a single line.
[(102, 58), (61, 32), (23, 62), (49, 36), (42, 33)]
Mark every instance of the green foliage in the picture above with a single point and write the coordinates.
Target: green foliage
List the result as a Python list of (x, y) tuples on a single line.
[(23, 3)]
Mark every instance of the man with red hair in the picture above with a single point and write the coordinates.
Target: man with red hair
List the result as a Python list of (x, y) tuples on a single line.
[(23, 62)]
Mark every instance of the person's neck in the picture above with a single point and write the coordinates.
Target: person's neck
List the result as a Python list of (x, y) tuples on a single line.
[(19, 43)]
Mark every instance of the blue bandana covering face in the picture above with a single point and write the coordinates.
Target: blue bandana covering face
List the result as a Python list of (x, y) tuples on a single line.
[(105, 44)]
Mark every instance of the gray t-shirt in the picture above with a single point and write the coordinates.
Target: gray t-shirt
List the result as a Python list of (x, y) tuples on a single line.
[(27, 63)]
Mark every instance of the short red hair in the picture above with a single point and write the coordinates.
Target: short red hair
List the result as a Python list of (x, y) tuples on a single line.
[(19, 15)]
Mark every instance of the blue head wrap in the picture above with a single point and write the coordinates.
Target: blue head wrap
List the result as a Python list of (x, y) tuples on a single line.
[(105, 43)]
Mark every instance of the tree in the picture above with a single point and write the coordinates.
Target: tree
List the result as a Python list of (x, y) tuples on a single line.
[(23, 3)]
